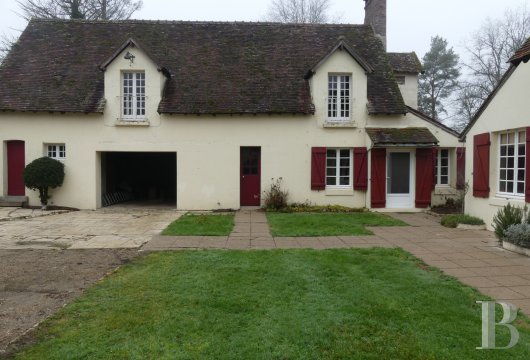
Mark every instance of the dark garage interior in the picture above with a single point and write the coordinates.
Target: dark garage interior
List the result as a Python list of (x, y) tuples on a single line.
[(139, 177)]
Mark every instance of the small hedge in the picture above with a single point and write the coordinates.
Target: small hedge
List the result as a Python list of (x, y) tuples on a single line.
[(452, 221), (307, 207), (518, 234), (507, 216)]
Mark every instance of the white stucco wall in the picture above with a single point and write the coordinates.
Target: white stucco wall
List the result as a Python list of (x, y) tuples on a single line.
[(409, 90), (207, 147), (508, 110)]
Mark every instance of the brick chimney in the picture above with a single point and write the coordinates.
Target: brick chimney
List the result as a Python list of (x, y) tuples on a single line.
[(375, 15)]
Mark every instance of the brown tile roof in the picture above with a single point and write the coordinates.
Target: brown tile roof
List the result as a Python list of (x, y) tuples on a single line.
[(405, 62), (403, 136), (523, 54), (216, 68), (432, 121)]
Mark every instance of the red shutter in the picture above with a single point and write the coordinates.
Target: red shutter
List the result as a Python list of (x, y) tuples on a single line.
[(378, 178), (527, 167), (424, 176), (461, 168), (481, 165), (360, 166), (434, 164), (318, 168)]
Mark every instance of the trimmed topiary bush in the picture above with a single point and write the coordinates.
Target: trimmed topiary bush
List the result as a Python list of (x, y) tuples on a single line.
[(507, 216), (518, 234), (41, 175), (453, 220)]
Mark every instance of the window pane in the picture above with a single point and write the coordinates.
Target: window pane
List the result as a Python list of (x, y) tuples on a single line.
[(509, 187), (331, 171), (444, 180), (502, 186), (520, 188), (331, 181), (345, 181)]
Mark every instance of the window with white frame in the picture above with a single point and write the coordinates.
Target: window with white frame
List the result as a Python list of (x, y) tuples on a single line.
[(339, 168), (441, 170), (133, 95), (339, 88), (56, 151), (512, 158)]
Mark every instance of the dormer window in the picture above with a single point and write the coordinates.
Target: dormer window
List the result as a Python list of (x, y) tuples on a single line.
[(339, 89), (133, 96)]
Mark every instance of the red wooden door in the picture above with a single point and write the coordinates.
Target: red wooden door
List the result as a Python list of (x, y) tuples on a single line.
[(250, 171), (15, 167)]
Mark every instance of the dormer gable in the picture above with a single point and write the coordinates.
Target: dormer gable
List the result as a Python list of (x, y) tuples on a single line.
[(132, 44), (134, 82), (341, 46)]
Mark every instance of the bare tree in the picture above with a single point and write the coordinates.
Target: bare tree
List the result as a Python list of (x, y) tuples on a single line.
[(6, 43), (79, 9), (489, 50), (73, 9), (300, 11)]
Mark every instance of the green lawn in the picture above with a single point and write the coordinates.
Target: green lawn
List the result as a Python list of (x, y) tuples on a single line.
[(201, 225), (327, 224), (290, 304)]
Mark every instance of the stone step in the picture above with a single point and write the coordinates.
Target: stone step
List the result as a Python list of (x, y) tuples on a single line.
[(13, 201)]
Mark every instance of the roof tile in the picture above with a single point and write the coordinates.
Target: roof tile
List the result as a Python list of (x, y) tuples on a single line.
[(216, 68)]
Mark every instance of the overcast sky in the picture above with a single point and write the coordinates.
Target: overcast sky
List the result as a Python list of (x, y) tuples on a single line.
[(411, 23)]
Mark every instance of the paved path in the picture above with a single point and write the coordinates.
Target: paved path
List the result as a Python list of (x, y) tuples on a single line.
[(14, 213), (473, 256), (112, 227)]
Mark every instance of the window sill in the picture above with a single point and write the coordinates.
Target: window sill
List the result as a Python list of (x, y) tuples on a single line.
[(444, 190), (124, 122), (340, 124), (502, 200), (330, 191)]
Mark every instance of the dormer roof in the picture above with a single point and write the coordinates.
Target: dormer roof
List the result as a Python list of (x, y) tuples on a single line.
[(131, 43)]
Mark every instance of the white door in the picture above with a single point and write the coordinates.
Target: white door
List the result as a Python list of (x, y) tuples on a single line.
[(399, 183)]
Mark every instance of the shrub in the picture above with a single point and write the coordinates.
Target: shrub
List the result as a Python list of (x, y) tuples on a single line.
[(518, 234), (308, 207), (275, 198), (453, 220), (41, 175), (505, 217)]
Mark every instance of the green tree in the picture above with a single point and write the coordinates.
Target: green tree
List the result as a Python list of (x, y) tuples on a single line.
[(41, 175), (440, 77)]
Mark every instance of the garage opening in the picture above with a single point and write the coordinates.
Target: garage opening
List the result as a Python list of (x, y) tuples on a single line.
[(148, 178)]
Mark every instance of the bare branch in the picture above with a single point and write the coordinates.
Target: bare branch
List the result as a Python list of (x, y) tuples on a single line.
[(299, 11)]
